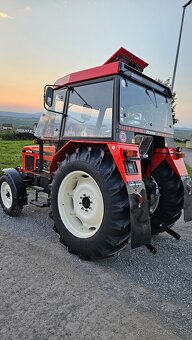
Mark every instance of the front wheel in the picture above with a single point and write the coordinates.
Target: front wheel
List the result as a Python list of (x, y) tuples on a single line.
[(90, 204), (9, 197)]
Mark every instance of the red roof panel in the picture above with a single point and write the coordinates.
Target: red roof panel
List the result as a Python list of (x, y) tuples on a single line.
[(92, 73), (110, 67)]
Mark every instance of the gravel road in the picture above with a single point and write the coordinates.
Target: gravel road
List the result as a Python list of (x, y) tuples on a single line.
[(47, 293)]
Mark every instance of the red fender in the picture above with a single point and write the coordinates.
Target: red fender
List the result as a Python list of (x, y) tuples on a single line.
[(117, 151), (172, 157)]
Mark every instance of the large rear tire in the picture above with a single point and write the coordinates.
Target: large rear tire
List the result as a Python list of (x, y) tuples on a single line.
[(90, 204), (171, 198), (9, 197)]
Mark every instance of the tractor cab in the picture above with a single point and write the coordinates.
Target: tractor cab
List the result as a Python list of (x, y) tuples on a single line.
[(114, 101)]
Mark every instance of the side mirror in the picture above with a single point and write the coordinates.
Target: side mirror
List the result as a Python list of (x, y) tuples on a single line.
[(49, 96)]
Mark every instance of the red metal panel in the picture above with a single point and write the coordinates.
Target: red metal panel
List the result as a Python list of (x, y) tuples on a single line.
[(117, 151), (122, 52), (172, 157), (33, 151), (92, 73), (176, 163)]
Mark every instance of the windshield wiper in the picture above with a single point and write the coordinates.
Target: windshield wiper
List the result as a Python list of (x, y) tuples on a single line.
[(86, 104), (147, 92)]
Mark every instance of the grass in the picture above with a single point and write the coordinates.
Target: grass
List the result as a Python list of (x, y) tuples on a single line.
[(189, 170), (10, 153), (181, 144)]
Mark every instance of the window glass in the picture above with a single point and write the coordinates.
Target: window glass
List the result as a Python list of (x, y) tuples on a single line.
[(144, 108), (50, 122), (59, 100), (90, 110)]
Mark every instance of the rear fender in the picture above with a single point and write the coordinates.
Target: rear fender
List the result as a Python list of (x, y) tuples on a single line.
[(172, 157), (18, 183), (117, 151)]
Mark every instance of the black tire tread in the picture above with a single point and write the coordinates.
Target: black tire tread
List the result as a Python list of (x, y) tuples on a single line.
[(118, 231), (171, 200)]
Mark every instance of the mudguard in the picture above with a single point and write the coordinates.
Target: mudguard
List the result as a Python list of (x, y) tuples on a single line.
[(19, 184), (139, 214), (187, 207)]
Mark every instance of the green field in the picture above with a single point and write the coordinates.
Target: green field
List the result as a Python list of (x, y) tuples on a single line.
[(10, 153)]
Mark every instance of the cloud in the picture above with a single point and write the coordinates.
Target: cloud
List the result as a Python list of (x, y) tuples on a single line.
[(4, 16), (27, 9)]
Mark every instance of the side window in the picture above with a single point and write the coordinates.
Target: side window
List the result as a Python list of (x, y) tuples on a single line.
[(59, 100), (50, 122), (90, 110)]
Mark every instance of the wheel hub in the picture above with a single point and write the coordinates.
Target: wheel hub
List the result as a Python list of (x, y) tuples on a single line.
[(86, 203)]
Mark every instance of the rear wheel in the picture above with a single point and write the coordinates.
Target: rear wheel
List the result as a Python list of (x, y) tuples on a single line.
[(90, 204), (8, 197), (170, 198)]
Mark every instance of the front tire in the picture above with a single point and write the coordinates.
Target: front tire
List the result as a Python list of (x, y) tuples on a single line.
[(9, 197), (90, 204)]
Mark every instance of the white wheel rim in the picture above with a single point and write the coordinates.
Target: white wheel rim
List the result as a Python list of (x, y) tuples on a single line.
[(80, 204), (6, 195)]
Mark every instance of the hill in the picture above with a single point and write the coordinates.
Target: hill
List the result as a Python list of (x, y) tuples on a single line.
[(19, 119), (183, 133)]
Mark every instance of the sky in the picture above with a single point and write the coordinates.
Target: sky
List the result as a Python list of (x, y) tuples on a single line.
[(41, 41)]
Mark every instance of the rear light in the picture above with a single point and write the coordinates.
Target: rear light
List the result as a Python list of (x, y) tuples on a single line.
[(131, 167), (130, 153)]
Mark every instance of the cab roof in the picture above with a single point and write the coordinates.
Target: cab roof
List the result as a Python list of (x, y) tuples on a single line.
[(110, 67)]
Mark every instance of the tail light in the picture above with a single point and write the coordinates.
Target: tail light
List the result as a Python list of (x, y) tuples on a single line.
[(130, 153)]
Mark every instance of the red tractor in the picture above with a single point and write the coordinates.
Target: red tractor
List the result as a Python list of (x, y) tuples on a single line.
[(106, 158)]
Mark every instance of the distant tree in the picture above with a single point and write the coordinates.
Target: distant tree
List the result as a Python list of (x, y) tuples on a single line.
[(173, 100)]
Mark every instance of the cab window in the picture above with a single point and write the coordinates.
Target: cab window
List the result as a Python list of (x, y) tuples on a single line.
[(50, 122), (89, 111)]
